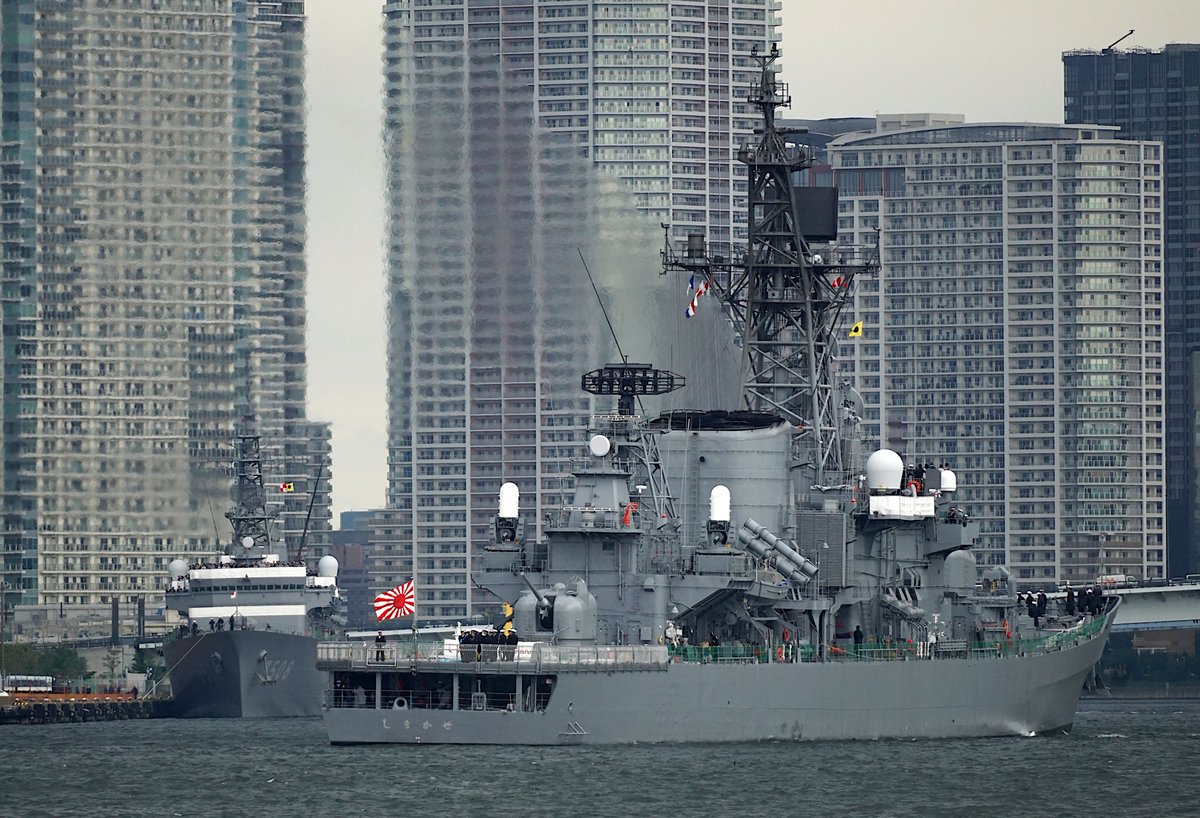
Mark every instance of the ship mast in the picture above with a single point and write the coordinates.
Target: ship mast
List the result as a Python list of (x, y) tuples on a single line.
[(249, 515), (787, 291)]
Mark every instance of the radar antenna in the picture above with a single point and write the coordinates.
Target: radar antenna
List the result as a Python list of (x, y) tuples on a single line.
[(787, 293), (627, 381), (640, 451)]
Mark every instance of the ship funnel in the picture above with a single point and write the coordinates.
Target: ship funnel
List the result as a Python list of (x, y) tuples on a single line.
[(510, 501)]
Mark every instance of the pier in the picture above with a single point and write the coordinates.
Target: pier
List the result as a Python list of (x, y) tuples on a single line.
[(62, 708)]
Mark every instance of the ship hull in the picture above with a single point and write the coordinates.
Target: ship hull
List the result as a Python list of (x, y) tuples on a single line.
[(921, 698), (244, 674)]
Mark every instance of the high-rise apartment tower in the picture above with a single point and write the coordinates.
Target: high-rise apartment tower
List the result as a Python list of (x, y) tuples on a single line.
[(1016, 327), (153, 286), (1156, 95), (522, 134)]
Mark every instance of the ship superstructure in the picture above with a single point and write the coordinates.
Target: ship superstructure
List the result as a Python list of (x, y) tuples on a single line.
[(736, 575)]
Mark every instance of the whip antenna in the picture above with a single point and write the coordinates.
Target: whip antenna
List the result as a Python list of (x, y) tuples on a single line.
[(600, 301)]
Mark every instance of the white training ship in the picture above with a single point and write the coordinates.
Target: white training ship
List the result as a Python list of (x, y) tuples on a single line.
[(248, 621)]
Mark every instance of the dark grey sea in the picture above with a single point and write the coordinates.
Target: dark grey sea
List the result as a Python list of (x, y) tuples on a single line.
[(1124, 758)]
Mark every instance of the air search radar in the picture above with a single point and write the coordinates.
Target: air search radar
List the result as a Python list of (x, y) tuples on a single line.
[(628, 381)]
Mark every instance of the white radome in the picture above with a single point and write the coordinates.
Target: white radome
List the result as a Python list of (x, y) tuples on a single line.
[(949, 481), (885, 470), (510, 501), (327, 566), (718, 504), (599, 445)]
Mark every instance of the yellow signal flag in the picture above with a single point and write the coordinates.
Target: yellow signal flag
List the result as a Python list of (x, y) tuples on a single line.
[(508, 617), (286, 488), (856, 330)]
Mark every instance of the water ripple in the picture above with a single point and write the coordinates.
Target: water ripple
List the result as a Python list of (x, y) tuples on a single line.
[(1121, 759)]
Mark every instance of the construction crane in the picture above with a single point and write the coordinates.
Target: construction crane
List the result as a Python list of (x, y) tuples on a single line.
[(1114, 44)]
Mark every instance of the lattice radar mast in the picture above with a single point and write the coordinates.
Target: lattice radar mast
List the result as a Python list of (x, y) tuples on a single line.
[(786, 291), (250, 517)]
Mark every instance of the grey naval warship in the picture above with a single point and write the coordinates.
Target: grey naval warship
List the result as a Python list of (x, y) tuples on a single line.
[(247, 622), (790, 590)]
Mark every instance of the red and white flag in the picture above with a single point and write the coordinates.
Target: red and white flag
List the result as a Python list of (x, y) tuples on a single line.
[(398, 602), (701, 289), (233, 595)]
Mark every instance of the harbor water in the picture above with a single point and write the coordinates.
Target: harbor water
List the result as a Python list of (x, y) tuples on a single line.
[(1124, 758)]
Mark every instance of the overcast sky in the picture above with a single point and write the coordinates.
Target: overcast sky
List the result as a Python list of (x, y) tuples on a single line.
[(989, 60)]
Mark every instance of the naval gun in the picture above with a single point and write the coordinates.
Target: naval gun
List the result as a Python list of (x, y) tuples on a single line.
[(563, 614)]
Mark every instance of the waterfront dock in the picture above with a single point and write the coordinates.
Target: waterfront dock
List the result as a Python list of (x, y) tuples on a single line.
[(61, 708)]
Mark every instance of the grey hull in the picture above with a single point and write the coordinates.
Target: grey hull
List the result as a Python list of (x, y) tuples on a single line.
[(244, 674), (1012, 695)]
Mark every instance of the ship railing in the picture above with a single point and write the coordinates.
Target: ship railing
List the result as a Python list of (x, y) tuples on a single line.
[(898, 651), (725, 654), (598, 657), (596, 517), (526, 656), (1001, 645), (388, 655), (530, 657), (400, 699)]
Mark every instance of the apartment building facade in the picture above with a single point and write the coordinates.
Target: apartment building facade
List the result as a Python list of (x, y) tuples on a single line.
[(1154, 94), (1015, 331), (153, 288), (522, 136)]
